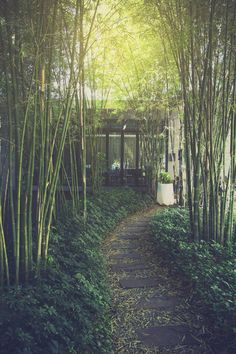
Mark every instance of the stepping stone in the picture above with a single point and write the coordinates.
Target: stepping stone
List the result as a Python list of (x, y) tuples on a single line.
[(128, 256), (166, 336), (136, 227), (138, 224), (132, 283), (138, 233), (142, 225), (132, 237), (129, 267), (159, 303), (129, 246)]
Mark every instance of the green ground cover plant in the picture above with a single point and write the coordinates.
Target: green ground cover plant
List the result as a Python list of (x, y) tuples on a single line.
[(209, 267), (67, 309)]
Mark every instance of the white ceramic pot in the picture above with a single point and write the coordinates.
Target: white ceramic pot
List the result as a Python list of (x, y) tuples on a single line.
[(165, 194)]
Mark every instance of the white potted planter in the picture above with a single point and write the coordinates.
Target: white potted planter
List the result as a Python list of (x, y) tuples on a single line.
[(165, 190)]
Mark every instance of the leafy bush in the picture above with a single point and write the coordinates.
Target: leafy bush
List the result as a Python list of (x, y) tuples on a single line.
[(67, 310), (165, 177), (210, 267)]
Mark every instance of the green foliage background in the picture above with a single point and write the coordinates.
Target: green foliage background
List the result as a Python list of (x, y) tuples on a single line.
[(209, 267), (67, 310)]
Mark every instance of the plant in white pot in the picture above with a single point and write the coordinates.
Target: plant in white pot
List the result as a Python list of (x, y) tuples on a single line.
[(165, 190)]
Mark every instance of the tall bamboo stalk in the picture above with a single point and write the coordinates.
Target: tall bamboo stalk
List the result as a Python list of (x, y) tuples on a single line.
[(204, 52), (82, 108)]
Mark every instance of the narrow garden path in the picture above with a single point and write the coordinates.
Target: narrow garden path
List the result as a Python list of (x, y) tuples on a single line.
[(150, 309)]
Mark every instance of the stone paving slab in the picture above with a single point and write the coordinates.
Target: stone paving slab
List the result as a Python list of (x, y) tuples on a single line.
[(137, 233), (132, 283), (130, 229), (137, 228), (166, 336), (128, 256), (137, 237), (145, 227), (129, 267), (159, 303), (129, 246), (133, 237), (138, 222)]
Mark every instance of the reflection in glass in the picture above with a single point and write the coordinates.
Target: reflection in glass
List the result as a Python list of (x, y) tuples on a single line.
[(114, 151), (130, 151)]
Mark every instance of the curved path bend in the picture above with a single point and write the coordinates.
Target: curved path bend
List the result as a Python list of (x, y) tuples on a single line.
[(150, 309)]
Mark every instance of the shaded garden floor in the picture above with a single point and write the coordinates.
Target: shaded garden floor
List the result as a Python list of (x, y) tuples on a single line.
[(151, 309)]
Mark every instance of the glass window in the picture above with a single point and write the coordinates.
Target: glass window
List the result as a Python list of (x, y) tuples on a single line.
[(114, 151), (130, 151), (101, 145)]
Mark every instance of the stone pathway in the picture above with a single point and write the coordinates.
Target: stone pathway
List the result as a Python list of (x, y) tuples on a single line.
[(150, 312)]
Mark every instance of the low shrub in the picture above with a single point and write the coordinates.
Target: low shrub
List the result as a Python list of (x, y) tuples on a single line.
[(165, 177), (210, 267), (67, 309)]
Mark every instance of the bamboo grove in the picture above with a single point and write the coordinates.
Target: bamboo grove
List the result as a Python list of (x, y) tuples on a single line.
[(53, 52), (42, 83), (202, 38)]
